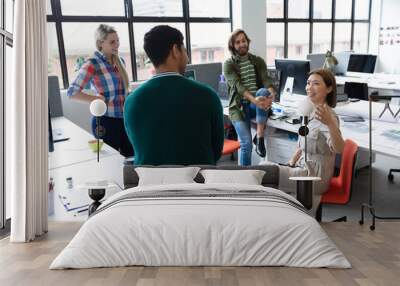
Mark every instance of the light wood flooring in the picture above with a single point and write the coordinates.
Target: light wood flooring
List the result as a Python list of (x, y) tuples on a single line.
[(374, 255)]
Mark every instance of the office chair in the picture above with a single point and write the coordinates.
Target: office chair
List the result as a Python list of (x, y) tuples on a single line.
[(230, 145), (340, 187), (356, 90), (390, 176)]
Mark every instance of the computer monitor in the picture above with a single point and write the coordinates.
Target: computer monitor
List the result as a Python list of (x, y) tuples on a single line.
[(361, 63), (343, 62), (293, 79), (190, 74), (316, 60), (208, 73)]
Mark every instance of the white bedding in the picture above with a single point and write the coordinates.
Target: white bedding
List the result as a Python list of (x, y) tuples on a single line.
[(200, 231)]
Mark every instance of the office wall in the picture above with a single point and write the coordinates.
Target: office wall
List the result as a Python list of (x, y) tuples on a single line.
[(389, 48)]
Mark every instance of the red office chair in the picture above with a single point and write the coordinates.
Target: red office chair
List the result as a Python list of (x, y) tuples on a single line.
[(339, 191), (230, 146)]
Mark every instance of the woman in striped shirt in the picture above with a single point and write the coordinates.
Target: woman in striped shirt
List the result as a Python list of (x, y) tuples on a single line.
[(106, 74)]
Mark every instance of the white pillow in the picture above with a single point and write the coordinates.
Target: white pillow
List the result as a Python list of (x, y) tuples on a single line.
[(165, 176), (248, 177)]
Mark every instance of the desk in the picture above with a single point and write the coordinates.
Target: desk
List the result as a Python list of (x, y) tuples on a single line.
[(73, 158), (385, 82), (280, 148)]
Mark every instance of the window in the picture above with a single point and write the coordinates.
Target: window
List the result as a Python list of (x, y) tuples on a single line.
[(361, 9), (209, 8), (7, 94), (48, 7), (322, 9), (73, 23), (6, 43), (298, 40), (79, 43), (275, 9), (343, 9), (143, 65), (202, 39), (342, 37), (92, 8), (158, 8), (53, 65), (361, 37), (299, 9), (9, 15), (322, 35), (333, 25), (275, 42)]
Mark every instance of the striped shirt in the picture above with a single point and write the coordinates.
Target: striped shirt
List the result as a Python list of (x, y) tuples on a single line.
[(105, 79), (248, 74)]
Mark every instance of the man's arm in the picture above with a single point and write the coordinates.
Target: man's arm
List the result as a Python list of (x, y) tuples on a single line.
[(234, 81)]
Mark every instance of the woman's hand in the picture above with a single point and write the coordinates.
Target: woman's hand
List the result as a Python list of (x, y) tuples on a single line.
[(323, 114)]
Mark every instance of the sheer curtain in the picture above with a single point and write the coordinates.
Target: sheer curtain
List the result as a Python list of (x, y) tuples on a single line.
[(26, 123)]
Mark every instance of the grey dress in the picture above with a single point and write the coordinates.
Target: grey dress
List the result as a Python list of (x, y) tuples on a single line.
[(321, 161)]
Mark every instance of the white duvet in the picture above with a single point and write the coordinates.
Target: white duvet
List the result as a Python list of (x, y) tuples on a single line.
[(201, 231)]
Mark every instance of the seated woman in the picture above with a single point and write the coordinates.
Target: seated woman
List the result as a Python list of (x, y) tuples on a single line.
[(324, 139)]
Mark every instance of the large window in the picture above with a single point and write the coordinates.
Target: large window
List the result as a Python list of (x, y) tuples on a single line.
[(6, 43), (296, 28), (72, 23)]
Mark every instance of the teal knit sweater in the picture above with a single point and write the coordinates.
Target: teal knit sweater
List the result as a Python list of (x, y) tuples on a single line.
[(174, 120)]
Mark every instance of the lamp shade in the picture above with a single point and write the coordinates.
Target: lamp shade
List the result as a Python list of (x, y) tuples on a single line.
[(305, 107), (98, 107)]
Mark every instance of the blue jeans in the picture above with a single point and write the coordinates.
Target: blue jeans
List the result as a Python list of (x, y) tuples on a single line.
[(243, 128)]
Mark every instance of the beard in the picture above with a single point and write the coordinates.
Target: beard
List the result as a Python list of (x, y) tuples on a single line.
[(242, 51)]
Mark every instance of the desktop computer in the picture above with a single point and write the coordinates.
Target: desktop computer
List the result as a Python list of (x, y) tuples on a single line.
[(293, 80), (360, 63)]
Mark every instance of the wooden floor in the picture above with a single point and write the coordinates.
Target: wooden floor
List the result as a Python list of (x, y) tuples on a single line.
[(374, 255)]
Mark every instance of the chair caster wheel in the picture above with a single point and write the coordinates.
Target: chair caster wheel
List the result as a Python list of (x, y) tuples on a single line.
[(361, 222), (390, 177), (372, 227)]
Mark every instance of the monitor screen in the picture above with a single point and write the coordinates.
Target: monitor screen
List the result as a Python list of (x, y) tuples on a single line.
[(208, 73), (190, 74), (296, 69), (361, 63)]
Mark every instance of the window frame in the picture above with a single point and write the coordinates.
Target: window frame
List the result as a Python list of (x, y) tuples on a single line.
[(286, 20), (6, 39), (57, 18)]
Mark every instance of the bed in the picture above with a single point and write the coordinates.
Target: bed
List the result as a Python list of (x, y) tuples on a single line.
[(198, 224)]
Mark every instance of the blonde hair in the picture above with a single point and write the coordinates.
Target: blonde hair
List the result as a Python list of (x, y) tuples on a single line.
[(101, 34)]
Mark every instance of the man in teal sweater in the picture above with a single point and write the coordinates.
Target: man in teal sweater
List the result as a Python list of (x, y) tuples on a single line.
[(171, 119)]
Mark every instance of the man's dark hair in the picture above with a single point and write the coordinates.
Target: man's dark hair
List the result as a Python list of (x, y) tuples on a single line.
[(232, 39), (158, 42)]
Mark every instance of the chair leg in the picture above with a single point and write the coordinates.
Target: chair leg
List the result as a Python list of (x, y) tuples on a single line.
[(233, 156), (318, 214)]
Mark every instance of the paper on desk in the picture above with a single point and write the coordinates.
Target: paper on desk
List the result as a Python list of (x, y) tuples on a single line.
[(392, 134), (360, 127)]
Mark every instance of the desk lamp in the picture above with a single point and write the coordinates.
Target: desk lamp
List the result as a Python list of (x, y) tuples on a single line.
[(98, 108)]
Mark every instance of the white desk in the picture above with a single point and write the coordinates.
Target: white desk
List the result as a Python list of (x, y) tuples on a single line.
[(376, 81), (73, 158), (76, 149)]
